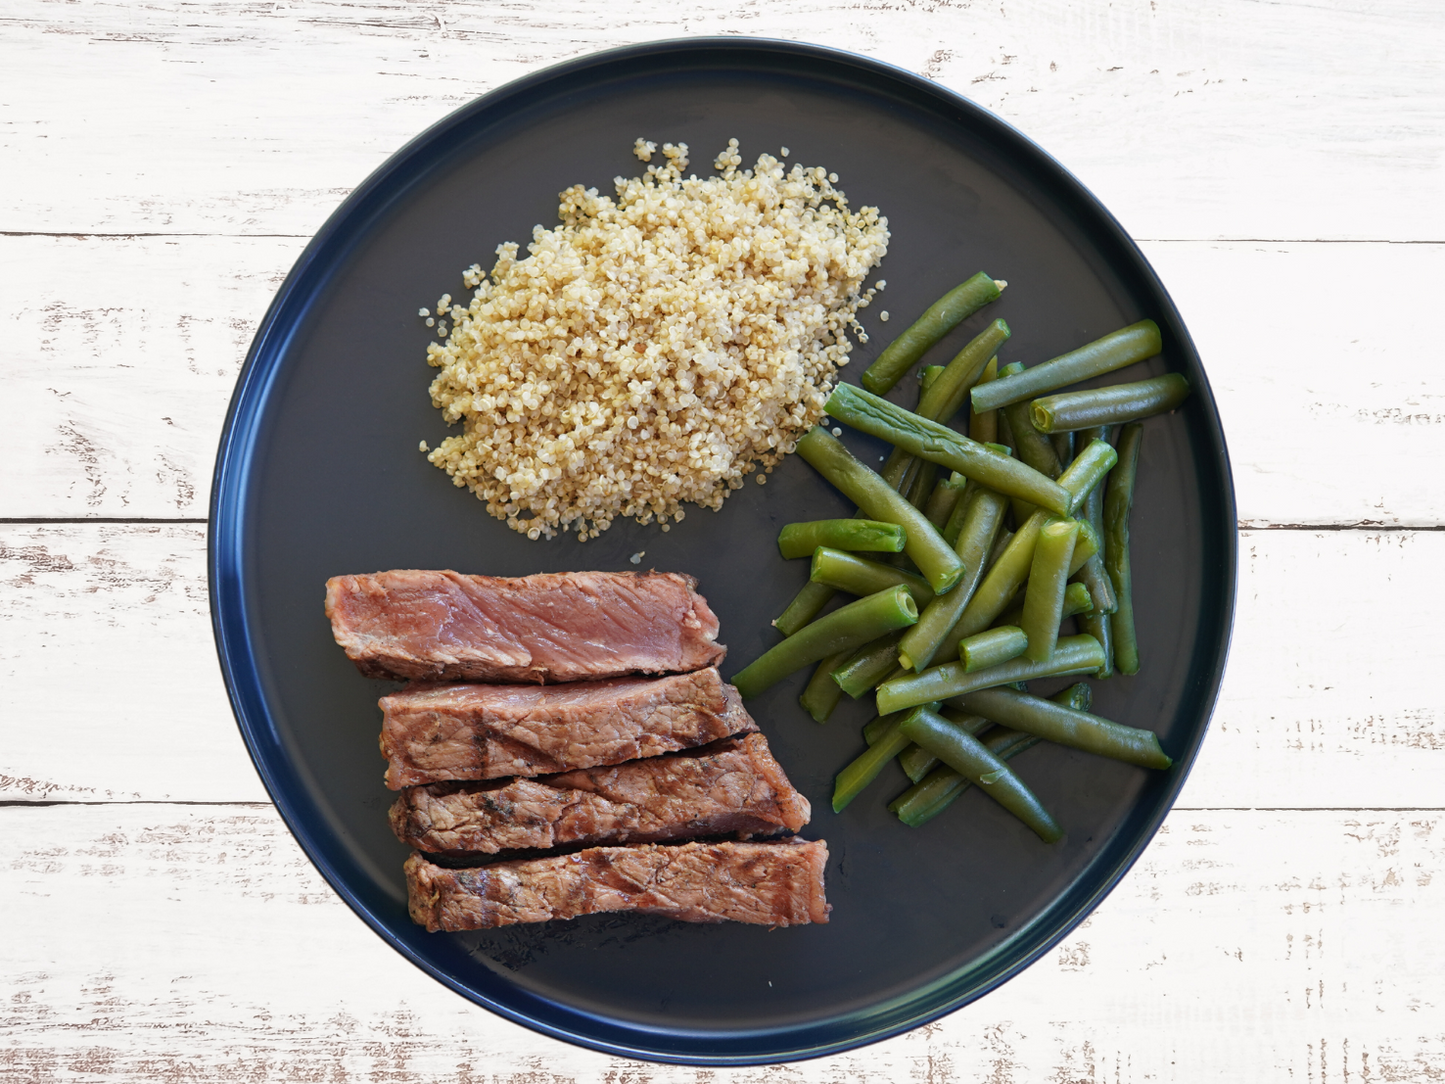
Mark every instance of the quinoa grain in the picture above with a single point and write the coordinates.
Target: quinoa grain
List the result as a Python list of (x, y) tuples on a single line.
[(655, 348)]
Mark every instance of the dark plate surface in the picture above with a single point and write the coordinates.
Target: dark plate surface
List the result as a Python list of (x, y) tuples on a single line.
[(319, 474)]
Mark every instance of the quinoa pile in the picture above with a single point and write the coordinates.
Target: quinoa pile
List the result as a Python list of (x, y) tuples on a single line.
[(652, 349)]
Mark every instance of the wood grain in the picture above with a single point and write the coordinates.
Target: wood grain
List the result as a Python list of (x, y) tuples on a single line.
[(172, 943), (1307, 717), (116, 391), (1190, 120)]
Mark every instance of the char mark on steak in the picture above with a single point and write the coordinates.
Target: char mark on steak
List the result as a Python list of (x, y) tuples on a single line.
[(552, 627), (731, 787), (766, 884), (434, 733)]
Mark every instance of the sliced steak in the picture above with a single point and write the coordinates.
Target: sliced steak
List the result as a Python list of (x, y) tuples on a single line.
[(434, 733), (552, 627), (731, 787), (768, 884)]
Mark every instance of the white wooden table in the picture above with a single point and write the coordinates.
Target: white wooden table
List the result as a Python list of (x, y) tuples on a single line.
[(162, 165)]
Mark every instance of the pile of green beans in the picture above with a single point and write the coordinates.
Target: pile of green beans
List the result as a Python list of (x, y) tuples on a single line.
[(978, 549)]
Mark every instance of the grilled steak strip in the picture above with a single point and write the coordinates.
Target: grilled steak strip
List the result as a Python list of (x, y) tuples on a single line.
[(552, 627), (768, 884), (434, 733), (733, 786)]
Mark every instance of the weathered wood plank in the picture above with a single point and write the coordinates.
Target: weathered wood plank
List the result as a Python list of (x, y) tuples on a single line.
[(115, 394), (1221, 119), (93, 616), (1331, 698), (1244, 946)]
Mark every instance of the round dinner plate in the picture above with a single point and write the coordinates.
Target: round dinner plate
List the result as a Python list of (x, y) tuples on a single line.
[(319, 474)]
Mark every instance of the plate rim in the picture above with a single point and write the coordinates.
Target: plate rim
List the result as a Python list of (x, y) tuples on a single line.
[(227, 541)]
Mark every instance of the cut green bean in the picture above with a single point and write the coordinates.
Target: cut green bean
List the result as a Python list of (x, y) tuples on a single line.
[(974, 761), (916, 762), (939, 444), (1076, 601), (981, 523), (1072, 655), (938, 320), (943, 500), (1044, 594), (1092, 574), (1114, 351), (860, 576), (848, 627), (1101, 627), (938, 790), (861, 672), (992, 647), (941, 399), (1031, 446), (1077, 729), (851, 780), (924, 545), (927, 375), (983, 427), (1063, 447), (1112, 405), (1118, 500), (806, 605), (921, 485), (855, 535), (1087, 470), (821, 694)]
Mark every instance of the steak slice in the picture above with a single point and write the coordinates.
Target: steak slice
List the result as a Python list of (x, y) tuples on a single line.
[(733, 786), (432, 733), (768, 884), (552, 627)]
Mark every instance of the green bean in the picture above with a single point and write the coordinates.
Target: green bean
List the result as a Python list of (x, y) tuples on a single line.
[(992, 647), (876, 728), (948, 650), (937, 791), (1076, 601), (854, 535), (943, 500), (983, 427), (1031, 446), (916, 762), (806, 605), (868, 665), (927, 375), (860, 576), (1087, 545), (1112, 405), (938, 320), (1118, 500), (939, 444), (941, 400), (1072, 655), (980, 524), (1044, 595), (1092, 574), (974, 761), (1011, 569), (1101, 627), (849, 626), (1114, 351), (1086, 471), (921, 485), (851, 780), (934, 557), (1063, 447), (821, 694), (1077, 729)]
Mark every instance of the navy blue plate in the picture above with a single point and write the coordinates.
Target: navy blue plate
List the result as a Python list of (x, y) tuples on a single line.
[(318, 473)]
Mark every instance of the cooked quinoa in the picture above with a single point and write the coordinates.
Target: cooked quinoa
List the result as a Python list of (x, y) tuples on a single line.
[(654, 348)]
